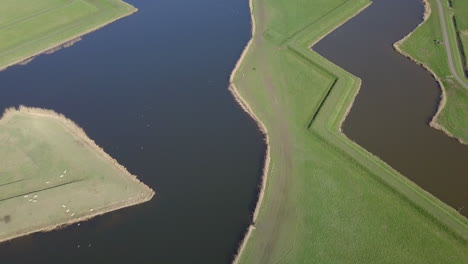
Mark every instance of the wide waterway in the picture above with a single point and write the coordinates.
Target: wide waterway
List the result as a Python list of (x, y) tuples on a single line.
[(397, 100), (152, 90)]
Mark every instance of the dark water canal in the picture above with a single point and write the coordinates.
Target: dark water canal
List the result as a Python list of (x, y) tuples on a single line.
[(151, 89), (397, 100)]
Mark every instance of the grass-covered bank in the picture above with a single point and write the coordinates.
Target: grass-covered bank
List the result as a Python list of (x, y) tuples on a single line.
[(29, 28), (327, 200), (52, 174), (426, 45)]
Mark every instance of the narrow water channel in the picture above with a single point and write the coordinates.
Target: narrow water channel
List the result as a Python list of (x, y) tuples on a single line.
[(397, 100), (152, 90)]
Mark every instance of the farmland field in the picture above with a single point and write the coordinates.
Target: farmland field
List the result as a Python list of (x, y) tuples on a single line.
[(324, 198), (51, 174), (28, 28)]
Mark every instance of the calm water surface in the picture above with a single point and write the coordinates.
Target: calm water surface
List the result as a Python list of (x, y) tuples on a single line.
[(397, 100), (151, 89)]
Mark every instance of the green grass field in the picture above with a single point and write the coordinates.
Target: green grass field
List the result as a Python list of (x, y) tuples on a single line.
[(422, 45), (28, 28), (52, 174), (326, 199)]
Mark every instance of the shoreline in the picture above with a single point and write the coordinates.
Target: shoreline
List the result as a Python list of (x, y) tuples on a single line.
[(50, 51), (248, 109), (64, 42), (263, 179), (350, 106), (434, 123), (75, 130), (84, 218)]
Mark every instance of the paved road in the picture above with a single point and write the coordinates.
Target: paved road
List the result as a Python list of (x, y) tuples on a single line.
[(448, 49)]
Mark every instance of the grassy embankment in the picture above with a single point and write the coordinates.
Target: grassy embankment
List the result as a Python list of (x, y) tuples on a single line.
[(28, 28), (460, 8), (51, 173), (426, 46), (324, 198)]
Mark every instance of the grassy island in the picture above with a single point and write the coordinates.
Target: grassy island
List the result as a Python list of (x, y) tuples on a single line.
[(29, 28), (440, 44), (325, 199), (52, 174)]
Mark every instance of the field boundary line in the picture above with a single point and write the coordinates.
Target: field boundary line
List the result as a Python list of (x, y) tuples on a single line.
[(13, 182), (40, 190)]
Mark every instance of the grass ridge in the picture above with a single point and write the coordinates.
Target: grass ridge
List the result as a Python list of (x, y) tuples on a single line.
[(323, 126)]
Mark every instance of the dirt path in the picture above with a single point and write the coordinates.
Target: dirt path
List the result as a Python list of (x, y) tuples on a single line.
[(281, 136), (448, 49)]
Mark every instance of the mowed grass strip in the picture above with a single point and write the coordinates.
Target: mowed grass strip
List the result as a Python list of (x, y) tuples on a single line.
[(51, 174), (424, 45), (326, 199), (28, 28)]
